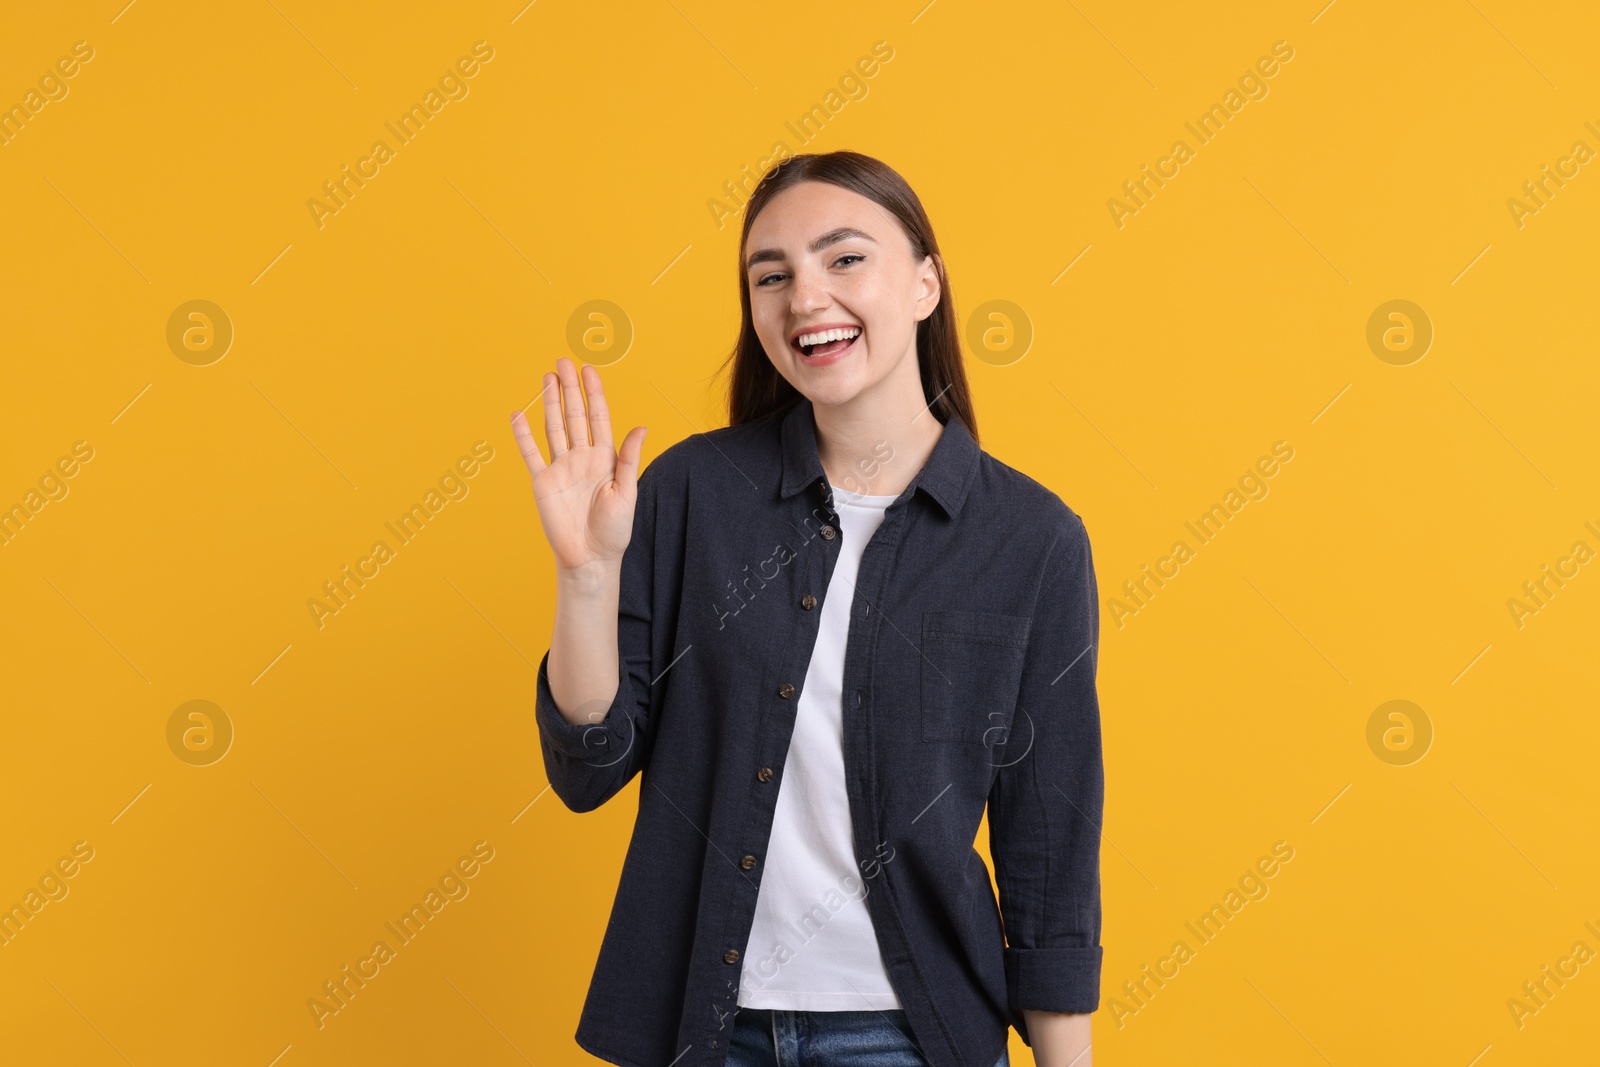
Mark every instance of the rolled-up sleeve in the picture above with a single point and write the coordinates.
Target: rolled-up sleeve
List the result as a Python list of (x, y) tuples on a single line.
[(1045, 807), (590, 761)]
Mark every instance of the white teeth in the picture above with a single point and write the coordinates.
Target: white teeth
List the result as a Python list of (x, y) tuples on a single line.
[(824, 336)]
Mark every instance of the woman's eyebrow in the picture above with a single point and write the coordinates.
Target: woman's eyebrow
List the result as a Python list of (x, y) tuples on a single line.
[(832, 237)]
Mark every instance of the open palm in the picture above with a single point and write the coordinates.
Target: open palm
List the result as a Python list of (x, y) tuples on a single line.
[(586, 493)]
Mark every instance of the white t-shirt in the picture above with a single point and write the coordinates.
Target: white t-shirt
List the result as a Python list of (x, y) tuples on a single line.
[(811, 947)]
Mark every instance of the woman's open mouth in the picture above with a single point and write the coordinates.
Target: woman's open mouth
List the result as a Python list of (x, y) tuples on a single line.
[(825, 346)]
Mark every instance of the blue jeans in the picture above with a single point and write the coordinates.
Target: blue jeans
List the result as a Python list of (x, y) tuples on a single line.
[(766, 1037)]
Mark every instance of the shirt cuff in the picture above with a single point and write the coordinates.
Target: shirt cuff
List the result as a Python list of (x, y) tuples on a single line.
[(597, 740), (1054, 979)]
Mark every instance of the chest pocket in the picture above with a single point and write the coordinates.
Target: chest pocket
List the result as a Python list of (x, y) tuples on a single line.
[(971, 672)]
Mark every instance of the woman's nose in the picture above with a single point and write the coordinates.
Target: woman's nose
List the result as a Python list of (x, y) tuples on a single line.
[(808, 293)]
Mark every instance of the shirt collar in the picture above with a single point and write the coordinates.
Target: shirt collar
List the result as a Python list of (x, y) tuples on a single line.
[(946, 476)]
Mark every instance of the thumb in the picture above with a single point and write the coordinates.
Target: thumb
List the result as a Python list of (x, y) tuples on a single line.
[(628, 460)]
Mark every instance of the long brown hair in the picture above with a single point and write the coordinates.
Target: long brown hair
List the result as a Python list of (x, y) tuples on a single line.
[(756, 389)]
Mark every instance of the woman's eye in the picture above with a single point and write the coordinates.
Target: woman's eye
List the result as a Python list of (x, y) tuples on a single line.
[(844, 260)]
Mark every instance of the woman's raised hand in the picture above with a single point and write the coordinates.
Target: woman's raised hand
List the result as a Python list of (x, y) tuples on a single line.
[(586, 493)]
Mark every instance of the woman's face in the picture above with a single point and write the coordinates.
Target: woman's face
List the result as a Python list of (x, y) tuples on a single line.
[(820, 257)]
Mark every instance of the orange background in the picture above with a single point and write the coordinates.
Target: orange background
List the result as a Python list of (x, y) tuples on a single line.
[(371, 353)]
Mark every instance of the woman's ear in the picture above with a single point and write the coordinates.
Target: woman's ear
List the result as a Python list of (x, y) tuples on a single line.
[(929, 287)]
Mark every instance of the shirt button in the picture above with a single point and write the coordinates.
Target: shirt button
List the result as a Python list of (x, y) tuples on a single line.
[(731, 956), (747, 862), (765, 774), (827, 533), (808, 601), (786, 690)]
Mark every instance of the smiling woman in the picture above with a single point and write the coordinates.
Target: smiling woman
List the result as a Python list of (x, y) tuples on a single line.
[(922, 596), (862, 272)]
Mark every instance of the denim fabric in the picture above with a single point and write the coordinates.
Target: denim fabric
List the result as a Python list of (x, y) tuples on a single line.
[(827, 1039), (969, 686)]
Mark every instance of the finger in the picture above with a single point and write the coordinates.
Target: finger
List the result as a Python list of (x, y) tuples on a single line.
[(599, 411), (572, 399), (554, 432), (628, 461), (526, 444)]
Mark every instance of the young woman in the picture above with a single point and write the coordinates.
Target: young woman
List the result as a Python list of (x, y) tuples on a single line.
[(828, 636)]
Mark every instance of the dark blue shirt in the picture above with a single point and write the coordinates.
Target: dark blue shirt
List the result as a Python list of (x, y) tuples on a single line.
[(969, 681)]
